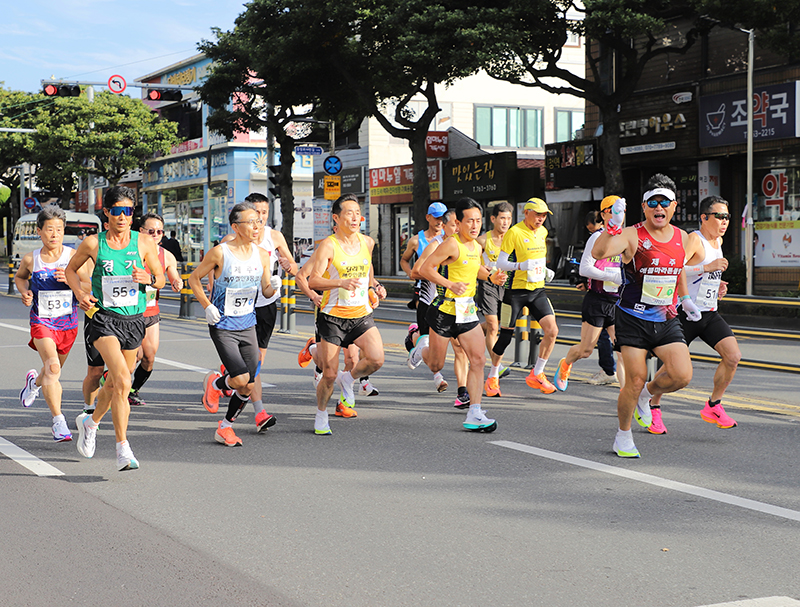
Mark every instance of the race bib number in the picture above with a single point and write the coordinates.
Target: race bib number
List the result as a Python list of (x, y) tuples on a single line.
[(241, 301), (53, 304), (150, 296), (120, 291), (465, 310), (708, 292), (537, 273), (658, 290), (610, 287), (355, 298)]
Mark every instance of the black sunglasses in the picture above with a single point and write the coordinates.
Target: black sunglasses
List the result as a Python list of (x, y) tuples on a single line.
[(653, 203), (720, 216)]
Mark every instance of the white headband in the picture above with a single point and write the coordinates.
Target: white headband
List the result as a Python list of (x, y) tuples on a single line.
[(667, 193)]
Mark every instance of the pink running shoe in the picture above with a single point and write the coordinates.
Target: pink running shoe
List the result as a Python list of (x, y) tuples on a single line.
[(717, 415), (657, 427)]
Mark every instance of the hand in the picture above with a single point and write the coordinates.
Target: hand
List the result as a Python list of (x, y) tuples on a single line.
[(618, 213), (141, 276), (349, 284), (549, 275), (212, 314), (316, 299), (612, 275), (498, 278), (60, 275), (723, 289), (581, 286), (458, 288), (177, 285), (692, 311), (717, 264), (285, 263), (86, 301), (27, 297), (381, 291), (275, 281)]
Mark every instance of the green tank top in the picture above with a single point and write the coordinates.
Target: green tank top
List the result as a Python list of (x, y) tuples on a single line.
[(112, 280)]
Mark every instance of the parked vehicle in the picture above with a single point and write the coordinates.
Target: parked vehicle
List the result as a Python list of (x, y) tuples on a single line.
[(79, 225)]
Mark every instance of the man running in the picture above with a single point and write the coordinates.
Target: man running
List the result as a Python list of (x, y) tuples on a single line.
[(152, 225), (524, 251), (704, 267), (41, 282), (116, 303), (343, 271), (455, 267), (599, 303), (653, 254), (490, 296), (241, 269)]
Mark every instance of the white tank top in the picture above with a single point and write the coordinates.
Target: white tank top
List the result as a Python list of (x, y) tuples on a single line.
[(704, 289), (268, 245)]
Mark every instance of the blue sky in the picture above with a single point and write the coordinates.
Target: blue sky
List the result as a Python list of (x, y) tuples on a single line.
[(91, 40)]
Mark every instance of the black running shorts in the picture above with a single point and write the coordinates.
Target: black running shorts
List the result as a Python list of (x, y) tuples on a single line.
[(265, 323), (711, 328), (598, 310), (645, 334), (489, 297), (445, 324), (515, 299), (237, 350), (128, 329), (342, 331)]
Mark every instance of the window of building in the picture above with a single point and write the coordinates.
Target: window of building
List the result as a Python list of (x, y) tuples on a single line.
[(567, 122), (509, 127)]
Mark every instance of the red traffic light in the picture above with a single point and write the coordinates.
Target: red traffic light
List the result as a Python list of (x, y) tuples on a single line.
[(50, 90), (164, 95), (61, 90)]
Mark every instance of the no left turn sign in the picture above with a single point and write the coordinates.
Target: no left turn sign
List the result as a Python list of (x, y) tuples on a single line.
[(117, 84)]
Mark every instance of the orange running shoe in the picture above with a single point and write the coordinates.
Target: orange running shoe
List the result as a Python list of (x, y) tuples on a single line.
[(492, 387), (304, 357), (210, 393), (540, 382), (227, 437), (343, 410)]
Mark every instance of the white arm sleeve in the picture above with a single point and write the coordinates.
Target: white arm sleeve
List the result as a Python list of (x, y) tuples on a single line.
[(588, 269), (504, 264)]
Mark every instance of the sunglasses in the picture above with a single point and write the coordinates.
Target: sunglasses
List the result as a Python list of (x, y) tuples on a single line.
[(653, 203), (720, 216), (117, 211), (155, 232)]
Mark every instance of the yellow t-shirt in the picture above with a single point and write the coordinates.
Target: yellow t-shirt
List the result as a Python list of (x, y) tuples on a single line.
[(521, 243), (464, 269), (492, 251), (348, 304)]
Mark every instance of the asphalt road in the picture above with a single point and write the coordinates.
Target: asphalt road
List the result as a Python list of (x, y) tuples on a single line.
[(399, 506)]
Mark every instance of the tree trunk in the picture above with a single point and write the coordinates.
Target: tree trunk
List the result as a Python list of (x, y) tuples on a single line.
[(421, 188), (612, 160), (287, 194)]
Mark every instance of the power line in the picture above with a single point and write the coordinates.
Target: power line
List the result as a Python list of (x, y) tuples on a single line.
[(113, 67)]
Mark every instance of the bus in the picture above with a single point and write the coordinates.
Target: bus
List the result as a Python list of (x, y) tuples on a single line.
[(26, 239)]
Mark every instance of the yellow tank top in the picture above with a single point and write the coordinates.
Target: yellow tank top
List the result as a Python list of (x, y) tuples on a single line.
[(492, 251), (463, 269), (348, 304)]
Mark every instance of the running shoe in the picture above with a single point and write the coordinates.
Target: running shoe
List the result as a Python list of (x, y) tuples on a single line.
[(624, 447), (29, 393), (210, 393), (562, 374), (102, 381), (324, 431), (264, 420), (492, 387), (125, 458), (462, 401), (321, 426), (317, 377), (344, 410), (226, 436), (540, 382), (304, 357), (415, 356), (657, 427), (504, 371), (409, 340), (478, 422), (225, 393), (348, 397), (440, 383), (643, 414), (134, 400), (717, 415), (601, 379), (367, 389), (86, 435), (61, 433)]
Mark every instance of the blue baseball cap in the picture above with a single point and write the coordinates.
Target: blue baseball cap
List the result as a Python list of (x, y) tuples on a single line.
[(437, 209)]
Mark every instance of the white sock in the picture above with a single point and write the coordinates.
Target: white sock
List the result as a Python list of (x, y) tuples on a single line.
[(312, 349), (438, 377), (644, 396), (226, 423), (321, 420), (59, 418), (540, 364), (258, 406), (347, 378), (494, 371), (121, 445), (625, 437)]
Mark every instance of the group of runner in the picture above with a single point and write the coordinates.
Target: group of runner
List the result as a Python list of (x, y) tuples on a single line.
[(636, 275)]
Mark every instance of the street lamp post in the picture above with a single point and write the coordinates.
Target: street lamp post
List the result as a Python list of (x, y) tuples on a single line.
[(748, 230)]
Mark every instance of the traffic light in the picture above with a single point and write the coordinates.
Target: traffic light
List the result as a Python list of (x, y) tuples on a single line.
[(164, 95), (61, 90), (275, 180)]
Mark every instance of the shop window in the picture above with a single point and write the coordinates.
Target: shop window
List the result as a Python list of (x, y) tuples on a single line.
[(507, 127), (567, 122)]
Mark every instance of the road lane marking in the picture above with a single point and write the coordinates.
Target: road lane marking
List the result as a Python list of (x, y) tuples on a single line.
[(185, 367), (28, 460), (15, 327), (664, 483), (768, 601)]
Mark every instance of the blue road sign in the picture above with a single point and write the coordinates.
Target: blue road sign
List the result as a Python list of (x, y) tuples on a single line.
[(332, 165), (308, 150)]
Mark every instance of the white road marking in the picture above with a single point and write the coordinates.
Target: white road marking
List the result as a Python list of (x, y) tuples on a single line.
[(718, 496), (769, 601), (15, 328), (31, 462), (185, 367)]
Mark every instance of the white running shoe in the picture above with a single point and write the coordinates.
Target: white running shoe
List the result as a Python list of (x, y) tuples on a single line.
[(86, 435), (439, 382), (623, 445), (478, 422), (415, 356), (61, 431), (367, 389), (601, 379), (29, 393), (125, 458)]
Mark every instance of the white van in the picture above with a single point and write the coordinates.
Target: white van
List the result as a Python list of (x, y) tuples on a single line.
[(26, 239)]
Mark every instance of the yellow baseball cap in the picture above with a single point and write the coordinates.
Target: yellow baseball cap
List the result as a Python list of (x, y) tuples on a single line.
[(608, 202), (537, 205)]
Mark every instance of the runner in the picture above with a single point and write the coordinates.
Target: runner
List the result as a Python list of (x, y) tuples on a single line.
[(653, 254), (152, 225), (490, 296), (599, 304), (273, 242), (343, 271), (453, 312), (704, 267), (241, 269), (115, 303), (524, 251), (41, 282)]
